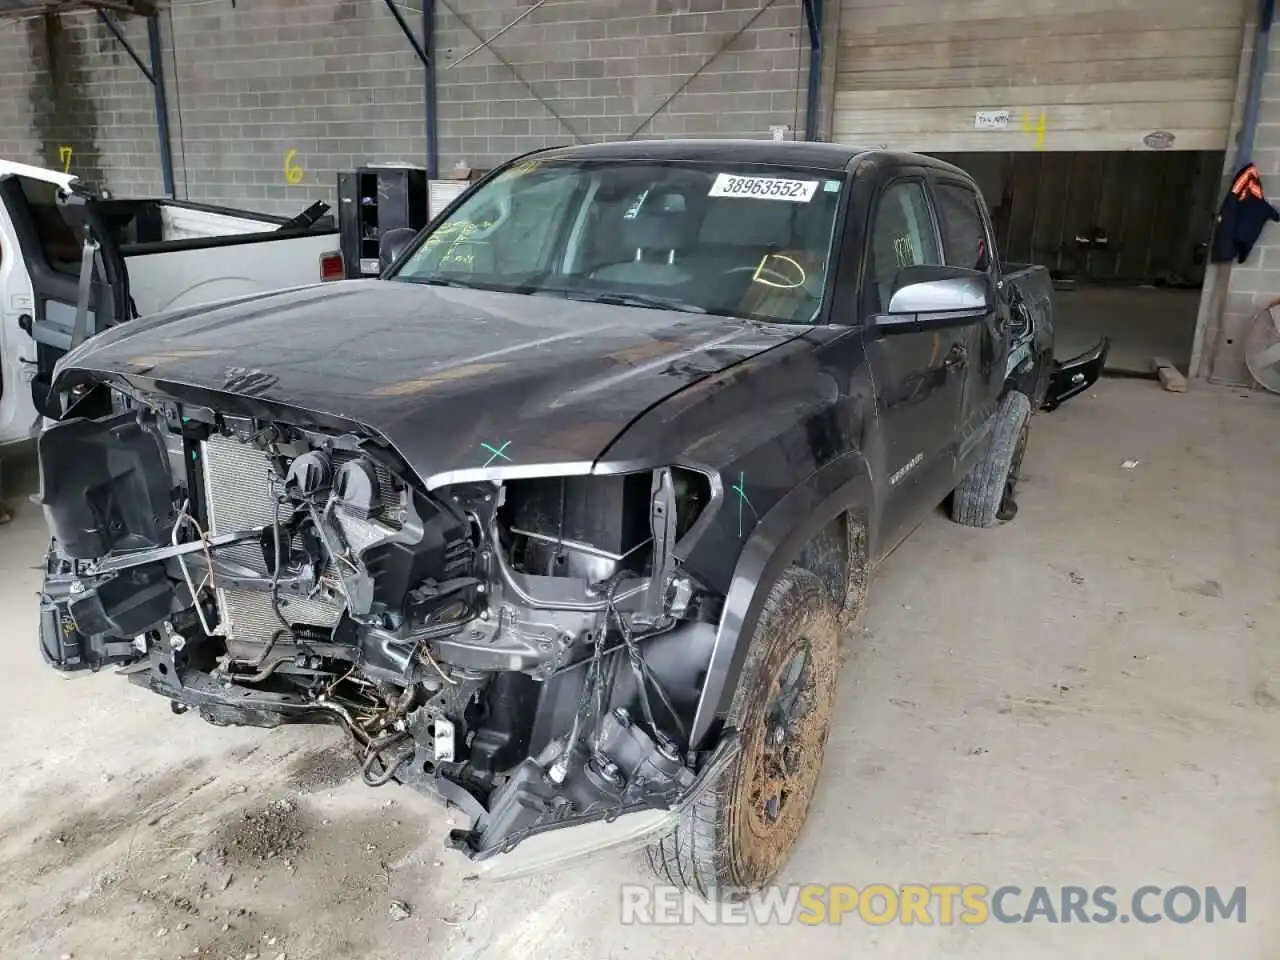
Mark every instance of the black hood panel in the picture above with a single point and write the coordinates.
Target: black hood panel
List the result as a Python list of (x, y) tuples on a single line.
[(447, 375)]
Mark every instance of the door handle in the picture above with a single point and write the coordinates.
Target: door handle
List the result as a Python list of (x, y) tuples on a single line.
[(957, 356), (26, 323)]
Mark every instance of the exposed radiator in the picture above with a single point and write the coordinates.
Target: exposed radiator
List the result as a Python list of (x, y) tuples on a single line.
[(238, 492)]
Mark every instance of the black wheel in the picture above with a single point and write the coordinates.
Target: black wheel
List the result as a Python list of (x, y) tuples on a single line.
[(986, 495), (741, 831)]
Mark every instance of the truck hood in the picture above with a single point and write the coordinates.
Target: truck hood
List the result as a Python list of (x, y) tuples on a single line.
[(464, 383)]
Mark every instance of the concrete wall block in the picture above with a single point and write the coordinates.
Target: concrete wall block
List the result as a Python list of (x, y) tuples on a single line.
[(1268, 134), (1249, 278)]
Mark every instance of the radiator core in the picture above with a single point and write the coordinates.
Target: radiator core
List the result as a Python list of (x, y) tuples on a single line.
[(238, 496)]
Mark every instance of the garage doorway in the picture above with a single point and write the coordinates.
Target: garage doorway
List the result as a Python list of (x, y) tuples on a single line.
[(1125, 235)]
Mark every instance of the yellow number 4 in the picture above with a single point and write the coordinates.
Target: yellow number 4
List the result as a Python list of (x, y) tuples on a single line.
[(64, 154)]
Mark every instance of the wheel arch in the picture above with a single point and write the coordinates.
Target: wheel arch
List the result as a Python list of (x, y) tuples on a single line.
[(794, 529)]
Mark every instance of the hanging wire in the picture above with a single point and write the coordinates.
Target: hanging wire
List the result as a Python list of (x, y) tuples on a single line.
[(492, 37), (733, 37), (577, 138)]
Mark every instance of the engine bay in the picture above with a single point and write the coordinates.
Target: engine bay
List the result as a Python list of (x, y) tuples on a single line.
[(530, 650)]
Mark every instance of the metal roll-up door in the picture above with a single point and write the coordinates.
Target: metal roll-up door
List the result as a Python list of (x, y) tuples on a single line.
[(962, 75)]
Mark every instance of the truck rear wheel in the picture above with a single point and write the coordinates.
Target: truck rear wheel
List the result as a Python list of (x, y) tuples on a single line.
[(986, 494), (742, 830)]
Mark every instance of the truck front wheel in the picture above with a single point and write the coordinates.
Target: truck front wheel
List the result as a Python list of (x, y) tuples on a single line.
[(740, 832), (986, 494)]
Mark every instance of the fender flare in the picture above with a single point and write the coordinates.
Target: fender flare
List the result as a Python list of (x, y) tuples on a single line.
[(843, 485)]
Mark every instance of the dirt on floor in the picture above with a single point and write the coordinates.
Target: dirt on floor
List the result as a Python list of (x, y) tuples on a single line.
[(1087, 696)]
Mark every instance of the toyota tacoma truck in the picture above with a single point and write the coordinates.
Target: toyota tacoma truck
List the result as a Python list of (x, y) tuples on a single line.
[(561, 517)]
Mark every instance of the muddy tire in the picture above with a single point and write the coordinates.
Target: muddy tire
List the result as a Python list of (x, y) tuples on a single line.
[(986, 494), (742, 829)]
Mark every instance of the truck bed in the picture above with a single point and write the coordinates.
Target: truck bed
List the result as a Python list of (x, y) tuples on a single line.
[(1057, 378), (159, 254)]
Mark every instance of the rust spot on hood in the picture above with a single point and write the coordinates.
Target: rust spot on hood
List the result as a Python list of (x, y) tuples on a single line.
[(408, 388), (642, 351), (153, 360)]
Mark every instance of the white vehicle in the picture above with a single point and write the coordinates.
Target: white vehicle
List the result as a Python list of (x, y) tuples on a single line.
[(146, 256)]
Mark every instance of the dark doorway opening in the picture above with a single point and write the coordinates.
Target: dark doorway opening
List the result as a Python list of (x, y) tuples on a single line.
[(1124, 233)]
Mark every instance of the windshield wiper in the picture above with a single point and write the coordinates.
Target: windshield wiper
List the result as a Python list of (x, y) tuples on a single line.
[(469, 284), (636, 300)]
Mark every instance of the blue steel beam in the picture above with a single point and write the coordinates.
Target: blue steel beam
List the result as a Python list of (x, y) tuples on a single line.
[(128, 47), (162, 103), (1257, 72), (429, 86), (155, 76), (813, 20), (424, 51)]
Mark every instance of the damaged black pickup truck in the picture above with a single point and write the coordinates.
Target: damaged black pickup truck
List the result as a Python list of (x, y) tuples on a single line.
[(560, 518)]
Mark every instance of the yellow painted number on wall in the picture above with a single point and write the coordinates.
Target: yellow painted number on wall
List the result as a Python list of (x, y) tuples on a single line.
[(64, 154), (292, 170), (1036, 125)]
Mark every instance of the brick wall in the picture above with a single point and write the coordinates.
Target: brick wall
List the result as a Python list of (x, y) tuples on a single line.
[(337, 83), (65, 82)]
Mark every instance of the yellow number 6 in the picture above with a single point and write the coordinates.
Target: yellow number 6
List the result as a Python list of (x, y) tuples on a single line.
[(292, 171)]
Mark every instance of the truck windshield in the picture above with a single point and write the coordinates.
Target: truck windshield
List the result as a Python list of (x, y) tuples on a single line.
[(726, 239)]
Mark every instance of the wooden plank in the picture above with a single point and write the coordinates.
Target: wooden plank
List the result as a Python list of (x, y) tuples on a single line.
[(859, 15), (1187, 139), (1170, 378), (1118, 116), (1220, 90), (1031, 52), (1060, 23), (1048, 73)]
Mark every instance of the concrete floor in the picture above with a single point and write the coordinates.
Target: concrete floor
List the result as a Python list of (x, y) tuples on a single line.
[(1089, 695), (1142, 322)]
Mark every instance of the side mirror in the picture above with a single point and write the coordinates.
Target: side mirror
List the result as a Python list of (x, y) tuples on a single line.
[(393, 243), (960, 296)]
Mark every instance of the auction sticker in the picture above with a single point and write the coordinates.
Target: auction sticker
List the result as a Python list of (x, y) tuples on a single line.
[(763, 188)]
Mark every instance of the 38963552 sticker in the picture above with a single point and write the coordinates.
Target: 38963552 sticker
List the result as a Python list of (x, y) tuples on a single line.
[(763, 188)]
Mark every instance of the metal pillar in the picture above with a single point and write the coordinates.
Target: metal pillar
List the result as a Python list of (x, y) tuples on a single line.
[(813, 19), (162, 103), (429, 86), (424, 51), (1257, 74), (155, 76)]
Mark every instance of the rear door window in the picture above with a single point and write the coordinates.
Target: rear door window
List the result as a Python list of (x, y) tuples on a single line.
[(964, 229)]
